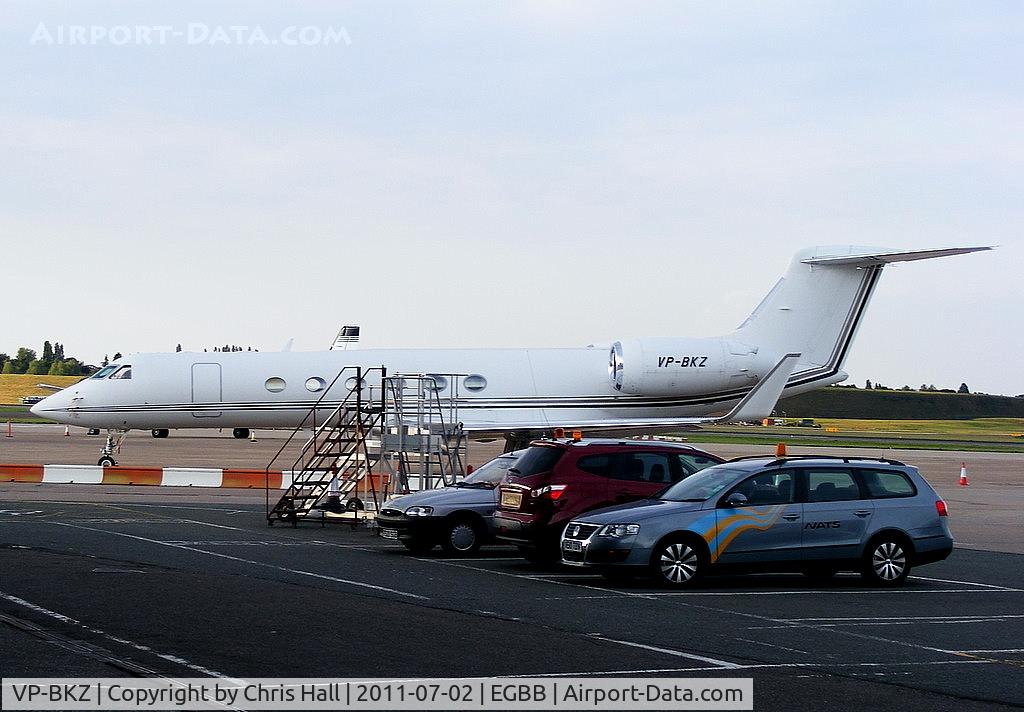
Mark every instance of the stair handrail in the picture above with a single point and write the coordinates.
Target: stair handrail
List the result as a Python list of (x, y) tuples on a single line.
[(312, 414)]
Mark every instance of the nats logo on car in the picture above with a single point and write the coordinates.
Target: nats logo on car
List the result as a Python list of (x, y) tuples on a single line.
[(574, 530)]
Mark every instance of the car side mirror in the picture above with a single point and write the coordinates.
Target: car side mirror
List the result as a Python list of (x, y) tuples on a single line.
[(736, 499)]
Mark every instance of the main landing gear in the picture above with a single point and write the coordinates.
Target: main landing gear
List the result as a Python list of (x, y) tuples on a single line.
[(115, 438)]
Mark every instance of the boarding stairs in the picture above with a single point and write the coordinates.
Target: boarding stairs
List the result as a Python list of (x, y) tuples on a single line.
[(339, 458), (423, 443), (400, 436)]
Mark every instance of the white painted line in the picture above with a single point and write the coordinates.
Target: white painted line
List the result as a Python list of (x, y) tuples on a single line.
[(905, 618), (881, 623), (963, 583), (297, 572), (523, 577), (117, 639), (844, 592), (1004, 650), (772, 645), (217, 526), (122, 505), (742, 614), (667, 651), (754, 666)]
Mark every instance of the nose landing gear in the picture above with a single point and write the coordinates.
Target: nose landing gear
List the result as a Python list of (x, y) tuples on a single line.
[(115, 438)]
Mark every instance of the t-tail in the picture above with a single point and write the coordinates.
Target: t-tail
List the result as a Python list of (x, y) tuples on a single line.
[(817, 307)]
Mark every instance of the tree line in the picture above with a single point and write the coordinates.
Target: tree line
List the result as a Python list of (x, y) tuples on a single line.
[(53, 362), (925, 387)]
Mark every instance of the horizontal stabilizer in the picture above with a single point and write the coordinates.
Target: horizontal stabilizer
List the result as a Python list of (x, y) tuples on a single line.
[(883, 258)]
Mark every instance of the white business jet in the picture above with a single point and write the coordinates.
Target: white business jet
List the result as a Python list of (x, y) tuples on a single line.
[(796, 340)]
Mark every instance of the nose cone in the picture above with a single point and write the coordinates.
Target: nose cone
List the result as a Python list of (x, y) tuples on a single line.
[(51, 407)]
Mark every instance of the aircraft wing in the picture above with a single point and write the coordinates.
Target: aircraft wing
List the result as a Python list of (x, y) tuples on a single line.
[(883, 258), (49, 387)]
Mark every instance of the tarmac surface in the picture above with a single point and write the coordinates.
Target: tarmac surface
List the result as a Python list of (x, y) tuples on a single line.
[(112, 581)]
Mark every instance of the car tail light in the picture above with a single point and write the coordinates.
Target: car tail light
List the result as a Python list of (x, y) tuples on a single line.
[(940, 507), (549, 491)]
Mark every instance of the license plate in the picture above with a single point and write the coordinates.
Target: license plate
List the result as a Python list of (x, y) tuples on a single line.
[(571, 545), (388, 533), (511, 499)]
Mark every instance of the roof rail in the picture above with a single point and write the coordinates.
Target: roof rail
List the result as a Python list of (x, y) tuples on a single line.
[(791, 458), (752, 457)]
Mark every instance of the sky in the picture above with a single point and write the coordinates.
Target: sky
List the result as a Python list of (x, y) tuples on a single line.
[(507, 174)]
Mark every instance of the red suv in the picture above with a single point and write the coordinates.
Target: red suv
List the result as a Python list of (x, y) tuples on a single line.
[(556, 480)]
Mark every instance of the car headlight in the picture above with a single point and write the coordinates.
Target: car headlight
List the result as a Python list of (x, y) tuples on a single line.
[(619, 530), (419, 511)]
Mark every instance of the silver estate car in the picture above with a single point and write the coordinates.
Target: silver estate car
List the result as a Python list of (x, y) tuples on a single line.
[(460, 518), (813, 514)]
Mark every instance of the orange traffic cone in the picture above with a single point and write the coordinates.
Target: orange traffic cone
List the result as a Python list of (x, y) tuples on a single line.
[(67, 431), (963, 475), (10, 430)]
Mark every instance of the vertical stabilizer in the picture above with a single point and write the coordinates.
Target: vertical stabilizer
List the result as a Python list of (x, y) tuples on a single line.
[(817, 307)]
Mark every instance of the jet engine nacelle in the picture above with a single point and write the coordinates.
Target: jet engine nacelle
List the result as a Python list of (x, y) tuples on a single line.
[(678, 367)]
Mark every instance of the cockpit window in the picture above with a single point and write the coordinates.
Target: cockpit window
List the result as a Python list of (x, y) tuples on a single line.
[(105, 371), (125, 372)]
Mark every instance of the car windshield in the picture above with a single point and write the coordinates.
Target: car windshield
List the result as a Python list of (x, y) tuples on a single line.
[(537, 459), (489, 474), (702, 485)]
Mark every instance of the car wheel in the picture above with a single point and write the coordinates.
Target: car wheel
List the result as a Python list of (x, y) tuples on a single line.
[(678, 562), (887, 561), (417, 546), (461, 537)]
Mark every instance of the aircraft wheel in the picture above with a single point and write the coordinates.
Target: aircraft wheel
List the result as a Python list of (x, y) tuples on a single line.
[(161, 432), (106, 461), (240, 433)]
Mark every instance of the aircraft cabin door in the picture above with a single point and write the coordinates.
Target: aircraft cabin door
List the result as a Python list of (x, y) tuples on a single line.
[(206, 388)]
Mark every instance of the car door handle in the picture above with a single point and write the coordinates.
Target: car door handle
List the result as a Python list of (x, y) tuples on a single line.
[(862, 512), (790, 517)]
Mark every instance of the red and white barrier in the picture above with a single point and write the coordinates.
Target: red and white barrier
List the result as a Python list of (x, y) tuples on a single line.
[(145, 476)]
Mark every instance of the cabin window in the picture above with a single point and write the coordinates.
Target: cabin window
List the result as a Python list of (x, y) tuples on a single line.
[(475, 382), (105, 371), (436, 382), (125, 373), (275, 384), (315, 384)]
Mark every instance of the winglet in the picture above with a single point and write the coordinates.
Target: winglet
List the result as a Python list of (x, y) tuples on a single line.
[(760, 401)]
